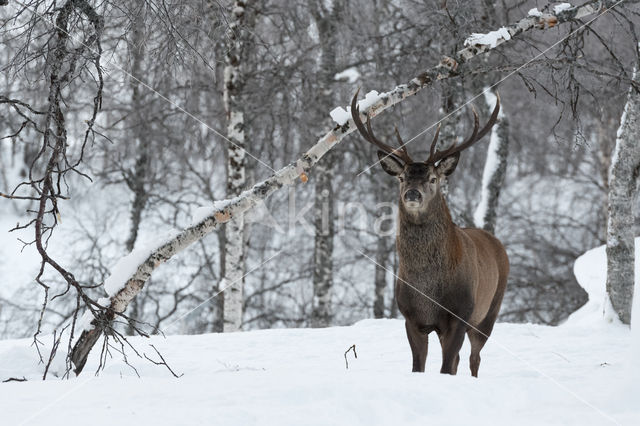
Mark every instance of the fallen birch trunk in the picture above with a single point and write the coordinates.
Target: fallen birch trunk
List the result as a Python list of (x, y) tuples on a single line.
[(121, 293)]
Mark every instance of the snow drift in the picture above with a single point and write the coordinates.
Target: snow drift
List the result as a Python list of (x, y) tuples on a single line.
[(576, 373)]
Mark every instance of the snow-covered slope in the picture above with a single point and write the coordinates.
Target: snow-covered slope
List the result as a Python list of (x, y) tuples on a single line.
[(574, 374), (529, 375), (590, 270)]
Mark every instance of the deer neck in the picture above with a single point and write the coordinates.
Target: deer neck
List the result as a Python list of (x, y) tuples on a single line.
[(428, 238)]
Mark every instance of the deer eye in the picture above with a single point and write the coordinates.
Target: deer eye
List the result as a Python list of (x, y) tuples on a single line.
[(400, 178), (432, 180)]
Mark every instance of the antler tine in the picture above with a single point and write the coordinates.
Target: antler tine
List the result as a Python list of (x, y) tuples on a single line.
[(492, 119), (434, 142), (475, 136), (367, 133), (401, 143), (456, 148)]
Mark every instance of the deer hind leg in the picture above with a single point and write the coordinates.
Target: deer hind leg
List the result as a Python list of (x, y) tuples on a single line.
[(456, 361), (451, 340), (419, 342), (478, 336), (455, 365), (477, 339)]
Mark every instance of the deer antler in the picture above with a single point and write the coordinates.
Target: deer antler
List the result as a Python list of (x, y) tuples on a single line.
[(434, 156), (367, 133)]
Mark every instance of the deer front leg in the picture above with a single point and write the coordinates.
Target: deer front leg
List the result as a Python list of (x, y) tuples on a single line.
[(419, 343), (451, 342)]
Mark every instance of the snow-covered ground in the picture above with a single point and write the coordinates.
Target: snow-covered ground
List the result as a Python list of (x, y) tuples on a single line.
[(578, 373)]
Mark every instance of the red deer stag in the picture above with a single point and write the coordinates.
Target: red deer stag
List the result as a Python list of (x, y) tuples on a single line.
[(450, 280)]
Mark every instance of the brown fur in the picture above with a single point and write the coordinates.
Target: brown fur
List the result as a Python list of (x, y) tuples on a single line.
[(451, 279)]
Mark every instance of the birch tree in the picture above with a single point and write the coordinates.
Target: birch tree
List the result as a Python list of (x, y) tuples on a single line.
[(129, 279), (327, 17), (234, 229), (137, 179), (495, 169), (495, 166), (623, 182), (382, 252), (66, 69)]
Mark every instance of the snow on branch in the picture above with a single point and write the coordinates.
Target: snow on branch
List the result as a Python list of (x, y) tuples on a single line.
[(138, 266), (341, 116), (563, 12)]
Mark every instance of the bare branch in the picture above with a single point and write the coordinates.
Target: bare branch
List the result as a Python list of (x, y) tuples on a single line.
[(449, 67)]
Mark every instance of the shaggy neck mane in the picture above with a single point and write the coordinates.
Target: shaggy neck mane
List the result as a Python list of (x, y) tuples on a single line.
[(429, 237)]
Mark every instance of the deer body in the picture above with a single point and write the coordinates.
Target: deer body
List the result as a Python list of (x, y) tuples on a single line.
[(451, 280), (463, 270)]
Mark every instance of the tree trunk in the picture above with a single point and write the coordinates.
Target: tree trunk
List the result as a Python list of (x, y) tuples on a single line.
[(327, 21), (625, 166), (394, 303), (100, 321), (380, 278), (137, 179), (323, 248), (233, 279), (452, 128), (218, 313), (495, 168)]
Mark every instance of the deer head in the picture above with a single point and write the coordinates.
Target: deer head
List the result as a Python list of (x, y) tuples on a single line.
[(420, 181)]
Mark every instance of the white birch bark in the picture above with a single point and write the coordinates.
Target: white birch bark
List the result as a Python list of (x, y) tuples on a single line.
[(452, 125), (495, 168), (234, 230), (327, 16), (623, 179), (222, 213)]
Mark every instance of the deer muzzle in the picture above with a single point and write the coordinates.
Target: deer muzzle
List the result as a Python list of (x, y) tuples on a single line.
[(412, 198)]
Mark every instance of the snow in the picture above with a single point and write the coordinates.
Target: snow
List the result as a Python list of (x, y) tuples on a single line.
[(369, 99), (350, 75), (238, 10), (534, 12), (201, 213), (298, 376), (574, 374), (341, 116), (127, 265), (561, 7), (491, 39), (17, 262), (578, 373), (634, 355), (590, 270)]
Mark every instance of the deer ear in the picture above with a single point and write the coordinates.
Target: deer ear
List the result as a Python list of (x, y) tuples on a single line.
[(448, 164), (390, 163)]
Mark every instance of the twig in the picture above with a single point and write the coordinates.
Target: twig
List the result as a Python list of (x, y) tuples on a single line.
[(346, 362), (162, 362), (448, 67), (54, 349), (15, 379)]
